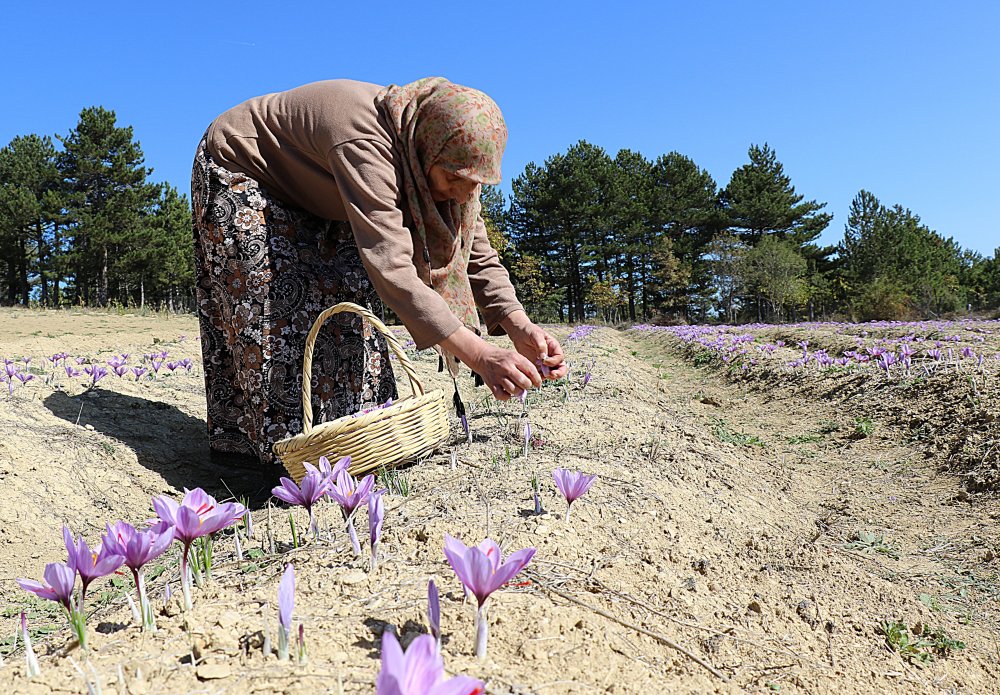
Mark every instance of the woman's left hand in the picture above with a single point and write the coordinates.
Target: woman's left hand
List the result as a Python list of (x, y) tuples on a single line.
[(536, 344)]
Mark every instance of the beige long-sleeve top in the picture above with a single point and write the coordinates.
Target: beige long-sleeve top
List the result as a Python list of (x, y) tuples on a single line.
[(325, 148)]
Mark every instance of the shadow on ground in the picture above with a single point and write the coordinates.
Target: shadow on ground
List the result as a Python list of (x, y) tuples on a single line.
[(165, 440)]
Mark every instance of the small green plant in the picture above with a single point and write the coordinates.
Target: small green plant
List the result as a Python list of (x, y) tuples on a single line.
[(702, 358), (863, 426), (918, 647), (724, 434), (866, 541), (828, 426), (394, 481)]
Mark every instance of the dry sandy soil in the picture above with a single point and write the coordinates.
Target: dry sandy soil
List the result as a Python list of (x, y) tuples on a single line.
[(741, 537)]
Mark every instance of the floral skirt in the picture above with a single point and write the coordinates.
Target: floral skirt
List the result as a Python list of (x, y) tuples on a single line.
[(265, 270)]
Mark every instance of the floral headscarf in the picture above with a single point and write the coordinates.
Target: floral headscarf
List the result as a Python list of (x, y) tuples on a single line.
[(461, 130)]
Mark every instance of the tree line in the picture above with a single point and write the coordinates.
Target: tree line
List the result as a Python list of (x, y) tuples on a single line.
[(626, 238), (84, 225), (584, 235)]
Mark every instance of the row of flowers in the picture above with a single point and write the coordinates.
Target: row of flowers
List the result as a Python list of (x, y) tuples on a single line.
[(196, 520)]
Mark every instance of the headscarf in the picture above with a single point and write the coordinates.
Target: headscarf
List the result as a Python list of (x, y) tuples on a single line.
[(461, 130)]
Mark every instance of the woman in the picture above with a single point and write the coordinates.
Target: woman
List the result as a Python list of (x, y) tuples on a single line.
[(347, 191)]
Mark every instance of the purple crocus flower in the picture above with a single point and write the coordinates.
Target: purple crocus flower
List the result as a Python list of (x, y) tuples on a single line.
[(121, 370), (329, 471), (376, 515), (81, 360), (24, 377), (139, 371), (156, 364), (96, 373), (89, 564), (420, 671), (350, 494), (58, 584), (572, 485), (172, 365), (197, 515), (482, 571), (138, 548), (306, 494), (72, 371), (286, 602)]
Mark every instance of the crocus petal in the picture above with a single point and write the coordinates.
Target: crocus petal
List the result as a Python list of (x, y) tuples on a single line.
[(455, 552), (390, 678), (514, 564), (479, 569), (491, 550), (38, 589), (288, 491), (458, 685), (286, 597), (423, 665), (433, 609)]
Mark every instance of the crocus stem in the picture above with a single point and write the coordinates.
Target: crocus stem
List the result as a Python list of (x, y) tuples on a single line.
[(313, 526), (138, 584), (568, 507), (354, 536), (374, 556), (282, 643), (185, 580), (482, 632), (148, 621)]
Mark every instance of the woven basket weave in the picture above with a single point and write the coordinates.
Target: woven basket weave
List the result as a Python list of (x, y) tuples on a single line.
[(410, 427)]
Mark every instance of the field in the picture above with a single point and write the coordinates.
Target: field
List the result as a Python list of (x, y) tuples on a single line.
[(768, 517)]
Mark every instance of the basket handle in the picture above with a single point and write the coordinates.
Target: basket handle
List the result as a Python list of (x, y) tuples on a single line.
[(390, 339)]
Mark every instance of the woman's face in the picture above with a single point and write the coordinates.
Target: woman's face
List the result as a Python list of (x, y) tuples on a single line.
[(445, 185)]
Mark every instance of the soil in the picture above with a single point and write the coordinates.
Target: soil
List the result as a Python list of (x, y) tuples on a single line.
[(741, 536)]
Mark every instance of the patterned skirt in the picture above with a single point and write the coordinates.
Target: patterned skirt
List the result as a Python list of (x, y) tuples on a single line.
[(265, 270)]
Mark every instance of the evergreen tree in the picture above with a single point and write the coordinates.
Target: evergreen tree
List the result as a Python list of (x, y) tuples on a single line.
[(31, 201), (103, 167), (760, 199)]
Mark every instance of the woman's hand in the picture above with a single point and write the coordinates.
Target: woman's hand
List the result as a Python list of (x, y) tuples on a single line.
[(536, 344), (505, 372)]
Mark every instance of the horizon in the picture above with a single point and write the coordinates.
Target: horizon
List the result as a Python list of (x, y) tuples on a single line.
[(896, 102)]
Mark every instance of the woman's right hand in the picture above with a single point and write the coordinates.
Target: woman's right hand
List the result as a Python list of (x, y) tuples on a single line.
[(506, 372)]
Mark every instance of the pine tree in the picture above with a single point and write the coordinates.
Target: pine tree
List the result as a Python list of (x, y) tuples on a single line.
[(760, 199), (104, 171), (31, 201)]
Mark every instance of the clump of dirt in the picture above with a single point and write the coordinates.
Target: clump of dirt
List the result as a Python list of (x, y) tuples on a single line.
[(725, 546)]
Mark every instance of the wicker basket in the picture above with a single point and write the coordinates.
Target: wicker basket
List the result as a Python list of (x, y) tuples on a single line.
[(411, 426)]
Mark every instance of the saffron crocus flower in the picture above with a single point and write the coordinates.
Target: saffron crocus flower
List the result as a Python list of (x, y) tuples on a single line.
[(331, 471), (351, 494), (138, 548), (95, 372), (306, 494), (482, 571), (196, 516), (139, 371), (286, 602), (58, 585), (376, 515), (72, 371), (29, 653), (24, 377), (420, 671), (572, 485), (121, 370), (434, 612), (89, 564)]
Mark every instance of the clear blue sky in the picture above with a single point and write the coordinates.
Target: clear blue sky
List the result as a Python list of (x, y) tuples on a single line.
[(900, 98)]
